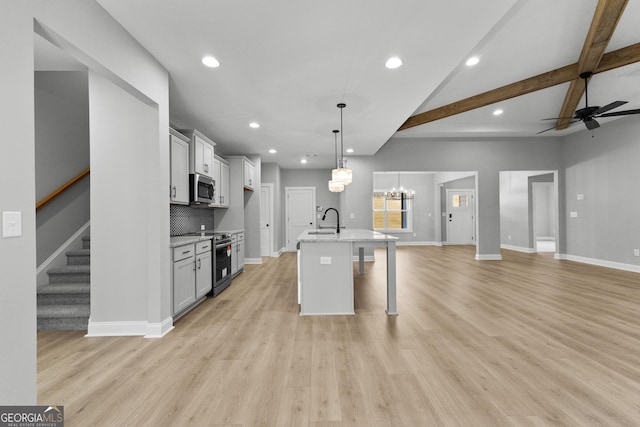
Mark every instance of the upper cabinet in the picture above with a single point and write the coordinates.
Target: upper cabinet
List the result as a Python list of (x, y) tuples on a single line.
[(179, 174), (201, 152), (248, 173), (221, 178)]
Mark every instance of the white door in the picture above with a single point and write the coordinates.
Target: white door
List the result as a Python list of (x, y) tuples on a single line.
[(300, 213), (266, 219), (544, 227), (460, 217)]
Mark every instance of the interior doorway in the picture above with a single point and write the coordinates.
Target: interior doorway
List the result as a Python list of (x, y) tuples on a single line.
[(544, 224)]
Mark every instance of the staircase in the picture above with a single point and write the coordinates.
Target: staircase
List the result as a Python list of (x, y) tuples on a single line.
[(63, 304)]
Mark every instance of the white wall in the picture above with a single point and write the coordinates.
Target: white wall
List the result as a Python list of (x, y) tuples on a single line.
[(603, 166), (91, 36)]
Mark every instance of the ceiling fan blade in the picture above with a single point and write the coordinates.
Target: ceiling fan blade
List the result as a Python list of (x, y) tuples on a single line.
[(620, 113), (611, 106), (543, 131), (591, 124)]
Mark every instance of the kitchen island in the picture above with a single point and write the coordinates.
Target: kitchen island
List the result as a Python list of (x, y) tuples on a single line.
[(325, 269)]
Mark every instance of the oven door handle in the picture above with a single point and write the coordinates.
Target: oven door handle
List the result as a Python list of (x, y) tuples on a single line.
[(222, 245)]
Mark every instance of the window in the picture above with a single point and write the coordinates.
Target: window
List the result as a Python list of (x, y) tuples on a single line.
[(392, 211)]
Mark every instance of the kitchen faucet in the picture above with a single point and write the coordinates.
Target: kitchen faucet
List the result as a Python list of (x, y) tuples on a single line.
[(338, 218)]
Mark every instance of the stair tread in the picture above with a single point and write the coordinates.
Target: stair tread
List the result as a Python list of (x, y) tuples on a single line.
[(70, 269), (64, 288), (73, 310)]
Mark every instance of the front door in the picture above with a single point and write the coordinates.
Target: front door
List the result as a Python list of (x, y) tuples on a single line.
[(300, 213), (460, 217)]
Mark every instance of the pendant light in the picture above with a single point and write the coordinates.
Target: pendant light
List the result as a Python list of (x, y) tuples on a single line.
[(341, 174), (335, 187)]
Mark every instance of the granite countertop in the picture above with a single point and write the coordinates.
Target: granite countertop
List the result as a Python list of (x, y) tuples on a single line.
[(346, 235), (175, 241)]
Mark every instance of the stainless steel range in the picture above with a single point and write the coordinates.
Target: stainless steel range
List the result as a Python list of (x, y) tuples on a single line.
[(221, 263), (221, 273)]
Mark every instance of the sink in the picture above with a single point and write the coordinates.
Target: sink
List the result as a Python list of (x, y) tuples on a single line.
[(321, 232)]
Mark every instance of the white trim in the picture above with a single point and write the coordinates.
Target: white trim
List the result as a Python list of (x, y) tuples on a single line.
[(277, 254), (367, 258), (519, 249), (58, 258), (600, 262), (328, 314), (117, 329), (256, 261), (159, 330), (410, 243), (488, 257)]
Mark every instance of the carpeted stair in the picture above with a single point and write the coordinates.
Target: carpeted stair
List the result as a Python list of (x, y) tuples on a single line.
[(63, 304)]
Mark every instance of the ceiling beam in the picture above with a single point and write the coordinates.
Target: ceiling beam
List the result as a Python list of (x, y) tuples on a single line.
[(605, 20), (617, 58)]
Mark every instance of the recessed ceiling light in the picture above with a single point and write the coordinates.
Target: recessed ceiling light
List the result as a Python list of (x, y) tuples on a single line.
[(394, 62), (303, 161), (472, 61), (498, 112), (273, 151), (210, 61), (254, 125), (349, 150)]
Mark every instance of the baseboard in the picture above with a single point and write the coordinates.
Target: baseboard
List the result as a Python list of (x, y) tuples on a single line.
[(601, 263), (367, 258), (488, 257), (398, 243), (58, 258), (117, 329), (518, 249), (256, 261), (159, 330), (277, 254)]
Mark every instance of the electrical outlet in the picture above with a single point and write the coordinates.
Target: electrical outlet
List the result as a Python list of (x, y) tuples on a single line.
[(202, 227), (509, 236), (636, 252), (325, 260), (573, 214), (352, 216), (580, 196)]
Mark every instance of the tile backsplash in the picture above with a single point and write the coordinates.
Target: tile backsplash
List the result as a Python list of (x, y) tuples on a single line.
[(185, 219)]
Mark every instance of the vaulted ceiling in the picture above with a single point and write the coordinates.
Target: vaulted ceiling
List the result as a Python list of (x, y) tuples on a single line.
[(286, 64)]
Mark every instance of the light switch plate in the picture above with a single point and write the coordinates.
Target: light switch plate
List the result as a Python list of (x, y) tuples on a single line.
[(11, 224), (325, 260), (352, 216)]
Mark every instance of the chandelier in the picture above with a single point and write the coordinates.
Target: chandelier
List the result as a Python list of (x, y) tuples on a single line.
[(341, 174)]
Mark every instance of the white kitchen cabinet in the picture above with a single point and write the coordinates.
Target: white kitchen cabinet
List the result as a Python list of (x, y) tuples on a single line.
[(183, 277), (204, 268), (224, 184), (240, 256), (237, 253), (201, 152), (248, 174), (179, 175), (192, 274), (221, 177)]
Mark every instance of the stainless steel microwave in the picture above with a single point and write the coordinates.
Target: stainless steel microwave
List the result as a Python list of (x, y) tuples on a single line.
[(202, 189)]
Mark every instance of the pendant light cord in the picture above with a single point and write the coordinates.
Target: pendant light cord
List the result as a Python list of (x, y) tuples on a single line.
[(335, 145), (341, 107)]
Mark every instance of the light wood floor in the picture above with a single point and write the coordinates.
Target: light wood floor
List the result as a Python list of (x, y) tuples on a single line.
[(527, 341)]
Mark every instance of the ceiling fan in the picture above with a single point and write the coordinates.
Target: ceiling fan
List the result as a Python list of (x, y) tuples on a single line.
[(588, 114)]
